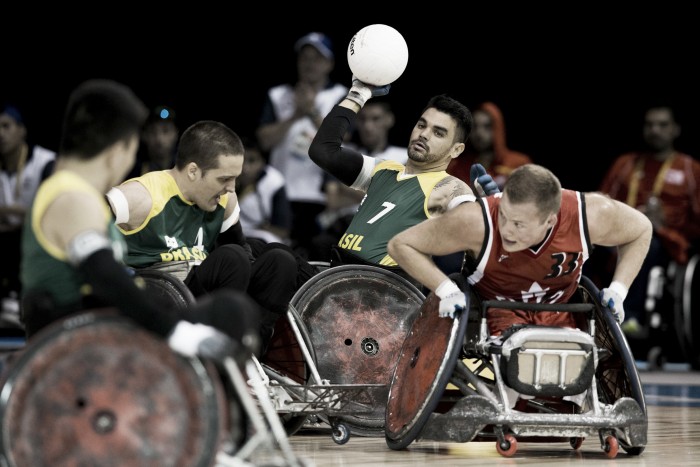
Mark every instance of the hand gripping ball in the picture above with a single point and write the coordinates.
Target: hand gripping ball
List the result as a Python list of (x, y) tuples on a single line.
[(377, 54)]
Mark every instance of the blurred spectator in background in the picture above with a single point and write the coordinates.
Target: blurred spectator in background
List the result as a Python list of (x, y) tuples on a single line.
[(374, 122), (487, 146), (158, 142), (22, 167), (663, 183), (289, 121), (265, 212)]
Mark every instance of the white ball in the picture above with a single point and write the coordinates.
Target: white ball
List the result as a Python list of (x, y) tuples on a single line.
[(377, 54)]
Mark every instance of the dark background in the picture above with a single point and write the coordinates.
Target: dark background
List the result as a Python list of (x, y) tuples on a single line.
[(572, 81)]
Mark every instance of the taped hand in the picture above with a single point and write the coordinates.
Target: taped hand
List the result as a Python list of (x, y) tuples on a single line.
[(361, 92), (613, 297), (452, 299), (196, 339), (482, 182)]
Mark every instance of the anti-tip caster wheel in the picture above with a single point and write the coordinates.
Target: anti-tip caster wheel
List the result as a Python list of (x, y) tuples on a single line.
[(508, 447), (576, 443), (340, 433), (610, 447)]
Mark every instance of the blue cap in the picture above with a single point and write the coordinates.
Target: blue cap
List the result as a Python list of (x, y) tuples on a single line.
[(13, 112), (320, 41)]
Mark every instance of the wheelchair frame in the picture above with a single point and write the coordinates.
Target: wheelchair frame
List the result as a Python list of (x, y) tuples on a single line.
[(615, 408), (296, 396), (108, 412), (293, 383)]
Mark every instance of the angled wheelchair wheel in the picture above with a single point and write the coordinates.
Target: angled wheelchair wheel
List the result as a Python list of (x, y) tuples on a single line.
[(96, 389), (425, 365), (358, 317), (285, 356), (167, 289), (687, 310), (616, 374)]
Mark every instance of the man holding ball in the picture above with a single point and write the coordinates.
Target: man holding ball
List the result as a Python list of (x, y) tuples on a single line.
[(377, 54), (397, 196)]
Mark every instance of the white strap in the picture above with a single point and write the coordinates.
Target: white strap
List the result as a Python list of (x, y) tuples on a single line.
[(232, 219), (457, 200), (120, 206), (365, 176), (83, 245)]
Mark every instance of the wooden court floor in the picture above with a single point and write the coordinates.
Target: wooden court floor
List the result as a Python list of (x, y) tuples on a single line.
[(673, 405)]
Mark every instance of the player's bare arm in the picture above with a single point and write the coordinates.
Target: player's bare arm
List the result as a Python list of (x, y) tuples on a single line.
[(445, 191), (459, 229), (612, 223), (139, 202), (70, 214)]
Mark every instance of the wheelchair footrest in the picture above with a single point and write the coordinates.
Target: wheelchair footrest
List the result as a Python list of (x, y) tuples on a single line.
[(462, 422), (624, 416), (471, 414)]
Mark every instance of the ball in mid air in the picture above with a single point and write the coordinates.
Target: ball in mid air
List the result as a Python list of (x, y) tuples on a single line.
[(377, 54)]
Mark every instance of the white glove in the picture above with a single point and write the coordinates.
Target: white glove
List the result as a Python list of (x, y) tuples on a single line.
[(195, 339), (361, 92), (452, 299), (613, 297)]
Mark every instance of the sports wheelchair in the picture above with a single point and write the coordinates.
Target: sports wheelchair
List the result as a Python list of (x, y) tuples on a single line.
[(673, 315), (334, 355), (97, 389), (453, 383)]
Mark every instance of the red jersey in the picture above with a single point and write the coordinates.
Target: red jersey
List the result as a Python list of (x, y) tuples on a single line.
[(547, 273), (636, 177)]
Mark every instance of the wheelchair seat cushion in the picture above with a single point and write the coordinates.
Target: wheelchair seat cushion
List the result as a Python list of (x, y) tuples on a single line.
[(548, 361)]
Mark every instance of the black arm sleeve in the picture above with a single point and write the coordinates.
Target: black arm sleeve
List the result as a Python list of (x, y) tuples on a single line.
[(326, 148), (233, 234), (112, 284)]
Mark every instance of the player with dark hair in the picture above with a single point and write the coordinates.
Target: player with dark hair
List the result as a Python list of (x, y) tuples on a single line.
[(397, 196), (72, 253), (186, 221)]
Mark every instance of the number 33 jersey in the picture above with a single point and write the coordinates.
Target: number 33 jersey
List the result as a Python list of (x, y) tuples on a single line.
[(547, 273)]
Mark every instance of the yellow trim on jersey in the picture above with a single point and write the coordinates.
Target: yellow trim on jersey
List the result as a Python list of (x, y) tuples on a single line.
[(426, 180), (392, 165), (162, 187)]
